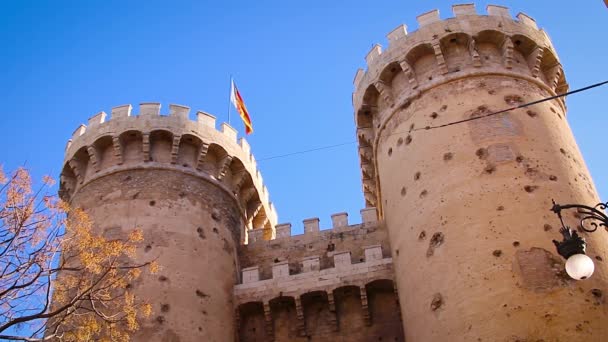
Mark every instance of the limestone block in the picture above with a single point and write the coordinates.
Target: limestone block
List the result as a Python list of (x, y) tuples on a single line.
[(283, 230), (229, 132), (499, 11), (373, 54), (310, 263), (428, 18), (396, 34), (251, 274), (256, 235), (358, 76), (97, 119), (339, 220), (373, 252), (342, 260), (245, 146), (463, 9), (280, 269), (369, 215), (79, 131), (179, 111), (121, 111), (205, 119), (527, 20), (311, 225), (149, 109)]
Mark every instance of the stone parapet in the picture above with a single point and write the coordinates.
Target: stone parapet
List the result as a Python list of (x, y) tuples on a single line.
[(312, 278), (443, 51), (151, 140), (312, 226)]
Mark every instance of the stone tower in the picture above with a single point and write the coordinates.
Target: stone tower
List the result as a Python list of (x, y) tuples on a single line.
[(467, 205), (193, 190)]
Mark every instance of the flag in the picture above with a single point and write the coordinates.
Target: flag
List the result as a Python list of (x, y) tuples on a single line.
[(237, 101)]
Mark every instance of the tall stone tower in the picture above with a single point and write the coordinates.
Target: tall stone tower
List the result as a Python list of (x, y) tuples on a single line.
[(193, 190), (467, 205)]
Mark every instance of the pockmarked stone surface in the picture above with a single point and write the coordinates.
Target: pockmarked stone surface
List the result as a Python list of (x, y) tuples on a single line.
[(454, 242), (467, 205)]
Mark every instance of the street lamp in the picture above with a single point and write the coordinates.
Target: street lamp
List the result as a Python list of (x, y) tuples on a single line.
[(578, 265)]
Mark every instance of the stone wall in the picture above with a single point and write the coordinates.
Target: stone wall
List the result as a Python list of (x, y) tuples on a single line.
[(465, 191), (319, 286)]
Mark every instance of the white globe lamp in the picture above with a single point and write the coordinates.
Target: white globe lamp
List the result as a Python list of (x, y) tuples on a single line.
[(579, 266)]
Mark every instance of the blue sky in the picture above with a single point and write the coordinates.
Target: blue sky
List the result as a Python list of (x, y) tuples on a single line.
[(294, 62)]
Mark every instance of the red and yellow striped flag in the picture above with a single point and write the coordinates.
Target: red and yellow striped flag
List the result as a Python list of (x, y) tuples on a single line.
[(237, 101)]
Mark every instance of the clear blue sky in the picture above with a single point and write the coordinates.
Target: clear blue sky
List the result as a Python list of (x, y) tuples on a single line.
[(294, 62)]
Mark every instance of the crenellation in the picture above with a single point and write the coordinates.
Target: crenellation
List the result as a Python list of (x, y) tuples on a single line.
[(245, 146), (463, 10), (229, 132), (311, 263), (369, 215), (499, 11), (358, 76), (373, 252), (311, 225), (251, 274), (373, 54), (149, 109), (283, 230), (428, 35), (80, 130), (339, 220), (310, 266), (179, 111), (121, 111), (97, 119), (132, 141), (393, 36), (342, 262), (527, 20), (428, 18), (256, 235), (280, 269), (342, 259), (205, 119)]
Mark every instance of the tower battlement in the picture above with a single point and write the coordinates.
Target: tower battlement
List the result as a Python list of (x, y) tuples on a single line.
[(444, 51), (150, 140)]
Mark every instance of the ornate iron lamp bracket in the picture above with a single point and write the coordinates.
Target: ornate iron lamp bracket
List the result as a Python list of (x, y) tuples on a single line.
[(591, 217)]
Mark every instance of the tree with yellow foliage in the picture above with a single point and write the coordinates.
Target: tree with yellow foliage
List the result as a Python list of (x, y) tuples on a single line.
[(58, 280)]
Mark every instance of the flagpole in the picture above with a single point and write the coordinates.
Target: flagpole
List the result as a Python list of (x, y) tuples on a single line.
[(229, 100)]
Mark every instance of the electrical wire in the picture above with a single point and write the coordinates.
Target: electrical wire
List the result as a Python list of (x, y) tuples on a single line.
[(524, 105)]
